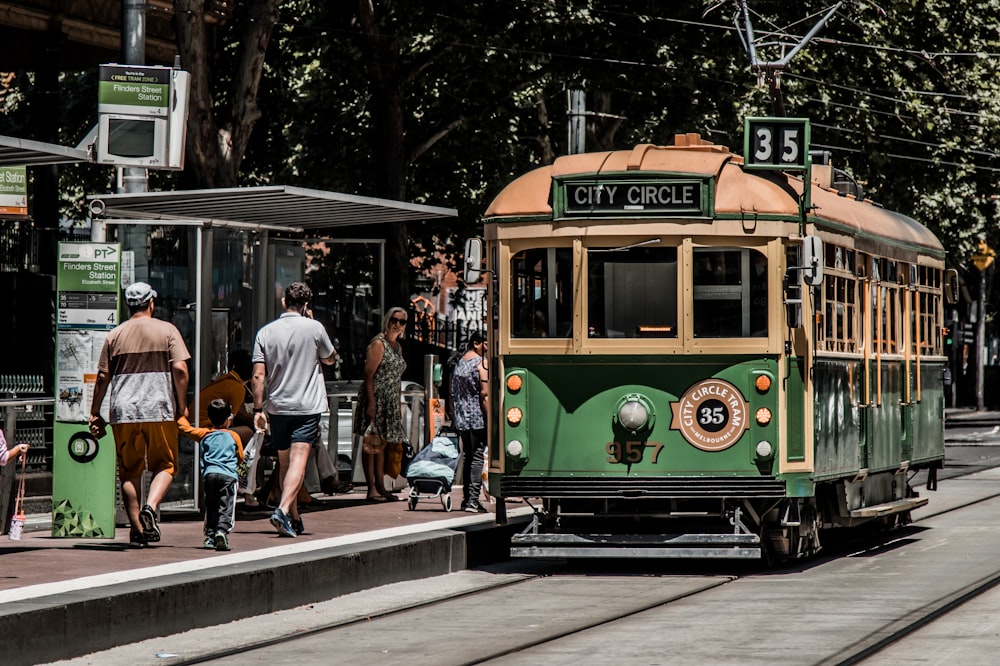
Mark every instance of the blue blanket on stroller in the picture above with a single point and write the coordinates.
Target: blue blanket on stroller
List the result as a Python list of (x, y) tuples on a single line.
[(438, 460)]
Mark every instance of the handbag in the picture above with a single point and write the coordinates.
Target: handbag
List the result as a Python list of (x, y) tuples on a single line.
[(372, 442), (17, 520), (246, 469), (394, 459)]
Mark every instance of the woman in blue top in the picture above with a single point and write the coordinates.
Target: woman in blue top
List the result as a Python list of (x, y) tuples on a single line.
[(468, 395)]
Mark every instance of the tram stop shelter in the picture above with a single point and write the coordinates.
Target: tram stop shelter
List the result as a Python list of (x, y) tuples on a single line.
[(220, 259)]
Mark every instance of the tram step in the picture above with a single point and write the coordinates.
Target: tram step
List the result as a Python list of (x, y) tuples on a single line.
[(889, 508), (703, 546)]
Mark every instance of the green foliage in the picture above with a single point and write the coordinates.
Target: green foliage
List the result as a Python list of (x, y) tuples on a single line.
[(444, 103)]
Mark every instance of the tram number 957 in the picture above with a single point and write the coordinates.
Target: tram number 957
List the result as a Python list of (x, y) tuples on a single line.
[(629, 453), (781, 143)]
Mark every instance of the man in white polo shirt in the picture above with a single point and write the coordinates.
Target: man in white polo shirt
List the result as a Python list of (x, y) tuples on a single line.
[(287, 354)]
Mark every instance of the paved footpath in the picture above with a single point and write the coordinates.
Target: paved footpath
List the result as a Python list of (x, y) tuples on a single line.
[(62, 597)]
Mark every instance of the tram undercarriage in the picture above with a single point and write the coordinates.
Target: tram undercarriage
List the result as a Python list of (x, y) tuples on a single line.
[(642, 523)]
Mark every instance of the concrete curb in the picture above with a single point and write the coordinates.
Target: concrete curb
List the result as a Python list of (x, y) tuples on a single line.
[(78, 622)]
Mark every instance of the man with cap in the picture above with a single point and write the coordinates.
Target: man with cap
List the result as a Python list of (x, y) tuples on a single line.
[(144, 361)]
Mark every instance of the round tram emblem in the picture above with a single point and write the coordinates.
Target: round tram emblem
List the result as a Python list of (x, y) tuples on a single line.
[(711, 415)]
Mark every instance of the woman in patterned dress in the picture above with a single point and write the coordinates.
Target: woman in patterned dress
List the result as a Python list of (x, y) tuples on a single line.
[(379, 400)]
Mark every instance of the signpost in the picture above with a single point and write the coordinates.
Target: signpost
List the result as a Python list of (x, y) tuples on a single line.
[(142, 116), (982, 259), (83, 467), (13, 191)]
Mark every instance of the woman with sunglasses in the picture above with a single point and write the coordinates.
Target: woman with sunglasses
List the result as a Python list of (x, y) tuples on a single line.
[(378, 400)]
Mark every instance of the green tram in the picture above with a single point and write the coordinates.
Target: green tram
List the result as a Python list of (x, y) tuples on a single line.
[(687, 361)]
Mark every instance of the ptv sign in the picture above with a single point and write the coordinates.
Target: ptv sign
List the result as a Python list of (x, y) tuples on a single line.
[(134, 90)]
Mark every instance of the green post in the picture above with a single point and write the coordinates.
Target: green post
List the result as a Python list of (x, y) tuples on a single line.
[(88, 285)]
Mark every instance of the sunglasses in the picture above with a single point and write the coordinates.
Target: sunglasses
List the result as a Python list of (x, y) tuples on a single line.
[(398, 321)]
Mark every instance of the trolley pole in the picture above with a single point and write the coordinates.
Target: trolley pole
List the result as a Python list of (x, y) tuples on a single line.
[(982, 260)]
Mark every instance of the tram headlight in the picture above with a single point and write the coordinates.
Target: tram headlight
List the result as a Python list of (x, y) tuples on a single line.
[(764, 449), (633, 415), (515, 448), (763, 416), (514, 416)]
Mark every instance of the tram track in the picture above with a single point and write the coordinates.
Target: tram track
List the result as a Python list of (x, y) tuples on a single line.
[(528, 612)]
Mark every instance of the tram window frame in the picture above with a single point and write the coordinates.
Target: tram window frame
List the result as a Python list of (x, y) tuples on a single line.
[(730, 286), (611, 313), (840, 301), (931, 314), (541, 291)]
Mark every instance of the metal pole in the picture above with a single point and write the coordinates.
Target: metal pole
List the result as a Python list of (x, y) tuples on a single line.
[(980, 341), (577, 117), (134, 53), (429, 361)]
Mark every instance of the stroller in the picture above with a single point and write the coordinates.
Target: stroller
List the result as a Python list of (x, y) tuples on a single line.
[(432, 470)]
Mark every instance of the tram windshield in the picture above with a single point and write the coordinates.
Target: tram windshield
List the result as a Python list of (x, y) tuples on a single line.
[(542, 279), (730, 293), (632, 292)]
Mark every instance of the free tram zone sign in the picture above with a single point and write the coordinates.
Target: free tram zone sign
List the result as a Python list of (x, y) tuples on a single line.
[(680, 197)]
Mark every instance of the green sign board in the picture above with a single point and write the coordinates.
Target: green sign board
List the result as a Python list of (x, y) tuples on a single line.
[(632, 197), (13, 191), (83, 467), (134, 90)]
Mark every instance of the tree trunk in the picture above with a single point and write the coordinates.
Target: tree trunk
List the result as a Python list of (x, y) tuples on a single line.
[(215, 149)]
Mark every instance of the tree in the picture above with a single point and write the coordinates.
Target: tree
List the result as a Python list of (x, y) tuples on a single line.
[(222, 109)]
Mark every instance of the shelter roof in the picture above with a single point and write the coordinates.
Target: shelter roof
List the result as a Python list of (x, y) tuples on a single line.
[(23, 152), (273, 205)]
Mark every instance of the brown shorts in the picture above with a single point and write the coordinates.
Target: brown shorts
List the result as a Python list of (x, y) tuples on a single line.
[(151, 446)]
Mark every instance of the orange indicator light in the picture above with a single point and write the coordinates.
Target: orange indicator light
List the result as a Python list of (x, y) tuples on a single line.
[(763, 383), (514, 383), (514, 415), (763, 416)]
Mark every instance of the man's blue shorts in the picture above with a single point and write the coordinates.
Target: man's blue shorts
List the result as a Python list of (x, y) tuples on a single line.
[(285, 429)]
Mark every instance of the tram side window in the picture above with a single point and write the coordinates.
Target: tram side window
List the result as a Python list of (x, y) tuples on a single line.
[(730, 293), (542, 280), (632, 292), (929, 295), (840, 300)]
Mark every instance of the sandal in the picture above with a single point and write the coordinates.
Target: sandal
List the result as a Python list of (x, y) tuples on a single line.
[(376, 499)]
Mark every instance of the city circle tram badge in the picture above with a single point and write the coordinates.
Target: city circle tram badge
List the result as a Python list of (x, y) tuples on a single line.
[(711, 415)]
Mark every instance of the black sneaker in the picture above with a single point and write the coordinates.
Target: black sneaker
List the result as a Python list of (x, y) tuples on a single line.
[(150, 528), (298, 526), (136, 539), (282, 524), (221, 541), (209, 543), (475, 508)]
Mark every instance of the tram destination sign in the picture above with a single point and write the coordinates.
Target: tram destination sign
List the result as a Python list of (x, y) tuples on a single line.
[(684, 197), (776, 143)]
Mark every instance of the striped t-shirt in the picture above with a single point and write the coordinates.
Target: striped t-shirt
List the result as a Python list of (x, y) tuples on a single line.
[(138, 354)]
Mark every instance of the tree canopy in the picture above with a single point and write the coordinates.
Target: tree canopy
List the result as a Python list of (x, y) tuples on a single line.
[(444, 103)]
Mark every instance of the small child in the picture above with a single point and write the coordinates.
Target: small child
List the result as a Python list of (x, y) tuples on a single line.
[(221, 449), (14, 452)]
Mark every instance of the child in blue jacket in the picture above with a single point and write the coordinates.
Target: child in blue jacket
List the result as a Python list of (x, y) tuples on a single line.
[(221, 450)]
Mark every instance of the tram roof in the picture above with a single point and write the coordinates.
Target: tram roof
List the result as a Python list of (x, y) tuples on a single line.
[(737, 191), (294, 208)]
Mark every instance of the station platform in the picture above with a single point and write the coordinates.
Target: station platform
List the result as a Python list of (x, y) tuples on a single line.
[(66, 597)]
